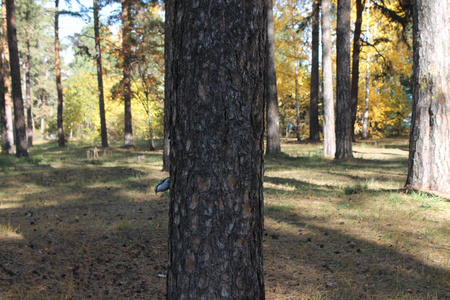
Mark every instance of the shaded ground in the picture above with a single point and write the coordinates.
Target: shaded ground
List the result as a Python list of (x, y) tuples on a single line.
[(72, 228)]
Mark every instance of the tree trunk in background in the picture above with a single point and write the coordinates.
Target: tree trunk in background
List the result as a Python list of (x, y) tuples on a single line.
[(19, 115), (273, 118), (355, 63), (314, 88), (101, 100), (329, 135), (429, 150), (61, 137), (217, 136), (30, 126), (365, 117), (343, 100), (297, 104), (126, 60), (7, 119)]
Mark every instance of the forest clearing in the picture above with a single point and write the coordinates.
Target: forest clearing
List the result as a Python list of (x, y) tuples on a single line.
[(78, 228)]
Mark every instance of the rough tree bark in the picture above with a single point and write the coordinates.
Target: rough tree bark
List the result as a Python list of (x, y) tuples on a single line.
[(6, 110), (429, 151), (61, 137), (343, 100), (314, 87), (101, 99), (355, 62), (19, 115), (216, 134), (329, 135), (273, 118), (126, 81)]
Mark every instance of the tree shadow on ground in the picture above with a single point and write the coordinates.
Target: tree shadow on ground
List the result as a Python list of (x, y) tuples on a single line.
[(83, 232), (313, 259)]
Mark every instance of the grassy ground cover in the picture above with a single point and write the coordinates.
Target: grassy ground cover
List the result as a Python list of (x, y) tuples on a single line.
[(78, 228)]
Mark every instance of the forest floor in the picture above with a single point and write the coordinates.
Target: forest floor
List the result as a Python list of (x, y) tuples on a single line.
[(78, 228)]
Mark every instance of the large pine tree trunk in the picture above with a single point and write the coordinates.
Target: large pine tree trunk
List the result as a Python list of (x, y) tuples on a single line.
[(355, 62), (7, 119), (19, 115), (343, 100), (126, 81), (101, 100), (429, 153), (273, 118), (61, 137), (314, 87), (329, 135), (217, 132)]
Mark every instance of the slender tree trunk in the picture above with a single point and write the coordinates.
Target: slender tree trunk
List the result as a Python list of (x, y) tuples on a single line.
[(217, 136), (365, 118), (61, 137), (343, 100), (101, 100), (3, 124), (19, 115), (126, 81), (429, 150), (273, 118), (297, 104), (27, 65), (7, 119), (355, 62), (150, 127), (314, 87), (329, 135)]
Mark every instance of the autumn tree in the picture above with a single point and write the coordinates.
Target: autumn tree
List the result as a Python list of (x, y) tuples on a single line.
[(216, 133), (329, 135), (19, 116), (273, 118), (314, 85), (343, 100), (429, 150)]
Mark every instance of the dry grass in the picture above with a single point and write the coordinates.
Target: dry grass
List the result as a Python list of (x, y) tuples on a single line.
[(71, 228)]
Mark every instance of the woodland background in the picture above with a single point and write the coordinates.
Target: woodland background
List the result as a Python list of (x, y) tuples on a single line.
[(385, 68)]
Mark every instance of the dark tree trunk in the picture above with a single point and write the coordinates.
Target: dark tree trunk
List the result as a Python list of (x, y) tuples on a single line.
[(101, 100), (6, 111), (329, 135), (216, 134), (429, 150), (61, 137), (168, 84), (355, 63), (19, 115), (30, 126), (314, 88), (126, 81), (273, 118), (343, 100)]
